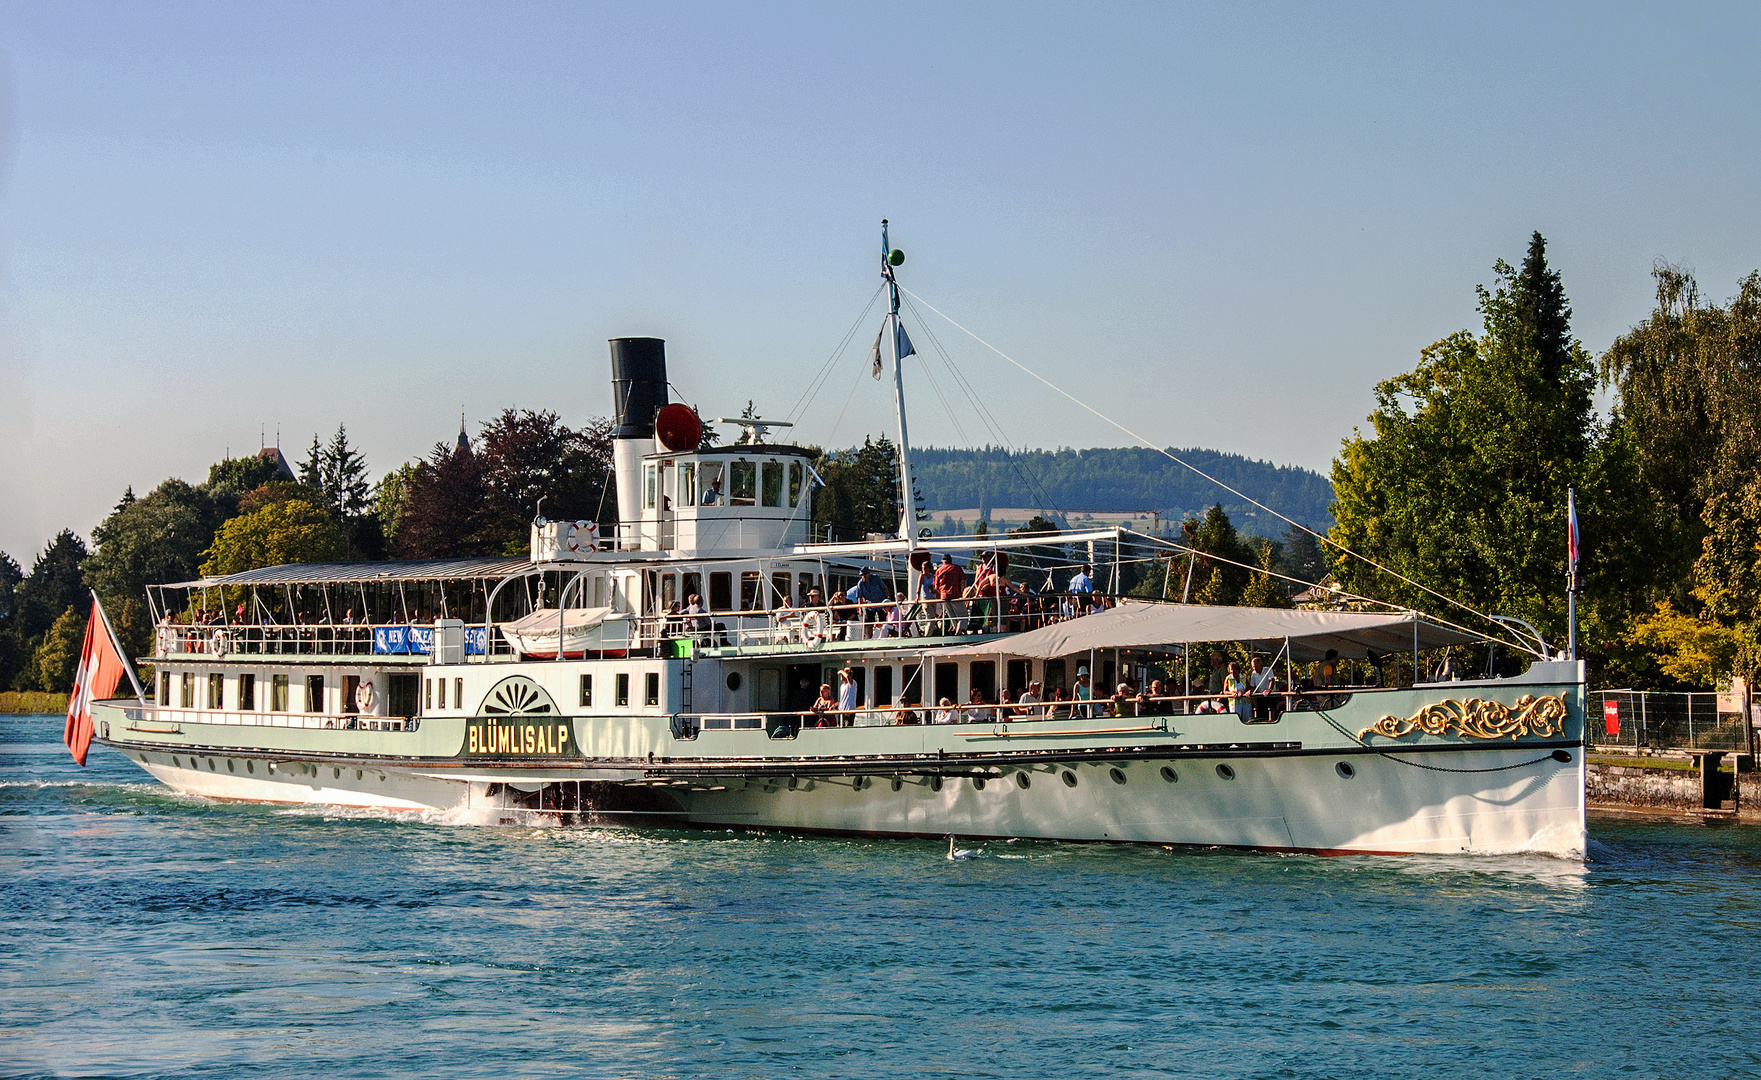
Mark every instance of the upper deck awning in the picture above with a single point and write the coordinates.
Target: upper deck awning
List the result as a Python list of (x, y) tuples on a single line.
[(367, 573), (1139, 624)]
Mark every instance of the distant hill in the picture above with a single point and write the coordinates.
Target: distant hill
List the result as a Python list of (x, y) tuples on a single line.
[(1121, 479)]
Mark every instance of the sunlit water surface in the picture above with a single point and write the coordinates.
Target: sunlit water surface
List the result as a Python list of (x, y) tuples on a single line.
[(151, 935)]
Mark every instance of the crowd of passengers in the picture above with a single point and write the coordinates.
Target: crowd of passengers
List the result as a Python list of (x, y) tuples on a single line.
[(943, 602), (1256, 694)]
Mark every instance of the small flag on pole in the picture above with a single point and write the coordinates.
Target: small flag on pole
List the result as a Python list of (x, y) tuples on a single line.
[(101, 667), (1571, 538), (874, 354), (905, 348)]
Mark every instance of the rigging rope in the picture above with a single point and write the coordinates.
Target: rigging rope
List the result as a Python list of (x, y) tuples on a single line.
[(1172, 457)]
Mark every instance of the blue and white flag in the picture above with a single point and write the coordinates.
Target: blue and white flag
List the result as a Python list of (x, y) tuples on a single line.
[(904, 343)]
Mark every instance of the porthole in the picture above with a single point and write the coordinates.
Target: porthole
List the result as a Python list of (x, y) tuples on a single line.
[(336, 774), (1117, 775), (1225, 772), (733, 680), (935, 783), (1069, 778), (174, 762), (1170, 775), (1023, 781), (229, 767), (1562, 756), (210, 764), (859, 783), (270, 767), (794, 782), (1345, 770), (357, 774), (978, 783), (898, 784), (250, 766)]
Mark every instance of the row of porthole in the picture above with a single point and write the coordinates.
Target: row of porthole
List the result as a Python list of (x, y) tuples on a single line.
[(251, 767), (1024, 781)]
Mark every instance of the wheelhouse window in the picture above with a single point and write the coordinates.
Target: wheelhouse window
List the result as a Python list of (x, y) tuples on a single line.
[(650, 482), (247, 692), (771, 489), (743, 483), (278, 693), (688, 484), (795, 478), (314, 693), (721, 591)]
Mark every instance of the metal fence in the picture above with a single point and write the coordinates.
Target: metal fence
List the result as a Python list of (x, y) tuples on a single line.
[(1700, 720)]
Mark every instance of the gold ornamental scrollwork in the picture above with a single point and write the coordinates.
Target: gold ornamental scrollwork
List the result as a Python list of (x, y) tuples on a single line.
[(1478, 718)]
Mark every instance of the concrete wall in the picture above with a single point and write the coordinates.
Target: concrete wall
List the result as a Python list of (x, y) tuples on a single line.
[(1668, 790)]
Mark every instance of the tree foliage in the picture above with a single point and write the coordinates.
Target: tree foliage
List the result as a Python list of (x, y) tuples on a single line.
[(281, 532), (58, 656), (1462, 483), (861, 493)]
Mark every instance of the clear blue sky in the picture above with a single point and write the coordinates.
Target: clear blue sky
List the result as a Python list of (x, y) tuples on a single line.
[(1221, 223)]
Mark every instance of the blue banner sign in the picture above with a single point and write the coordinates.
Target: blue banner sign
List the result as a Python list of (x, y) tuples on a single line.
[(402, 640)]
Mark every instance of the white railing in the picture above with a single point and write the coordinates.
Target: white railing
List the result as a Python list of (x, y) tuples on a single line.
[(166, 714)]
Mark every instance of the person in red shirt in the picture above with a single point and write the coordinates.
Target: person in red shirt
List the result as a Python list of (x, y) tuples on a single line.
[(950, 585)]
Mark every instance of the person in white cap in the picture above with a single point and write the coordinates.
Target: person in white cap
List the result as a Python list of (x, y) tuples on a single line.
[(1084, 692)]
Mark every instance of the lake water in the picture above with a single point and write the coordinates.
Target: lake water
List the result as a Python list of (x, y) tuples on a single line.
[(151, 935)]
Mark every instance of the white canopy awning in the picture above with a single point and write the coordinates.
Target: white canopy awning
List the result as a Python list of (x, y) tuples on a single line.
[(1140, 624)]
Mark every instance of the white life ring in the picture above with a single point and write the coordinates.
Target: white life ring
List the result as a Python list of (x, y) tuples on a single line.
[(217, 643), (571, 539), (813, 628), (364, 696)]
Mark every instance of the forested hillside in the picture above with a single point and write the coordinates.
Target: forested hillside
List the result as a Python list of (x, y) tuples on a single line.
[(1126, 478)]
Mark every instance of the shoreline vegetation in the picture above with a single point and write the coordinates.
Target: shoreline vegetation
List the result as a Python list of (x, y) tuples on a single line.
[(32, 703), (1450, 499)]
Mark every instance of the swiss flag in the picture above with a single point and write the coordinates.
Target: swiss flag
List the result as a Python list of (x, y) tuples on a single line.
[(101, 667)]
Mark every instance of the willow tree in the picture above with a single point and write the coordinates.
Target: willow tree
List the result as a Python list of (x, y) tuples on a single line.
[(1461, 483)]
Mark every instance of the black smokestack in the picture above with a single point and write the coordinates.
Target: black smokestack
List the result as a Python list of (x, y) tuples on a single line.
[(638, 385)]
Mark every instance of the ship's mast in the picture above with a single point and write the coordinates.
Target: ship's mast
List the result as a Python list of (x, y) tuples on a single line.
[(908, 494)]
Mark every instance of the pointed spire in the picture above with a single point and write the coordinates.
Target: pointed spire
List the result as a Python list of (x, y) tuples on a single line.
[(464, 446)]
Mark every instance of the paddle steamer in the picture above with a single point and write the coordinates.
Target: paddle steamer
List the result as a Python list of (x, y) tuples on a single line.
[(573, 685)]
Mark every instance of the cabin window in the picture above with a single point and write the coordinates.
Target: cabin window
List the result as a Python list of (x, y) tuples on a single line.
[(669, 591), (623, 699), (440, 692), (216, 687), (401, 695), (983, 678), (351, 684), (649, 484), (721, 591), (458, 693), (691, 585), (948, 683), (247, 693), (911, 684), (187, 691), (688, 484), (883, 686), (314, 693), (278, 693), (165, 688), (779, 584), (772, 487), (804, 585), (744, 483), (749, 598), (795, 472), (586, 691), (1020, 673), (1054, 678), (651, 688), (427, 693)]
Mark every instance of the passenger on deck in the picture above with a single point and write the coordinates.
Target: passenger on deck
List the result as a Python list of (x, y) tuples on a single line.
[(1030, 703), (1155, 702), (1328, 673), (1125, 700), (1082, 588), (1083, 695), (871, 594), (1060, 706), (945, 713), (1235, 688), (1006, 706), (847, 698), (824, 708), (975, 711), (950, 582), (1217, 686), (1262, 683)]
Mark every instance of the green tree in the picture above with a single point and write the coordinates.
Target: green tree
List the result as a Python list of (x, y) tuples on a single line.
[(447, 507), (276, 534), (58, 655), (1221, 578), (1462, 483), (391, 496), (235, 476), (11, 639), (526, 456), (54, 584), (861, 493)]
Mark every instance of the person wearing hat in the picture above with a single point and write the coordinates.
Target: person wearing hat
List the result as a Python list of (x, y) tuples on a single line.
[(871, 594), (1084, 692)]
